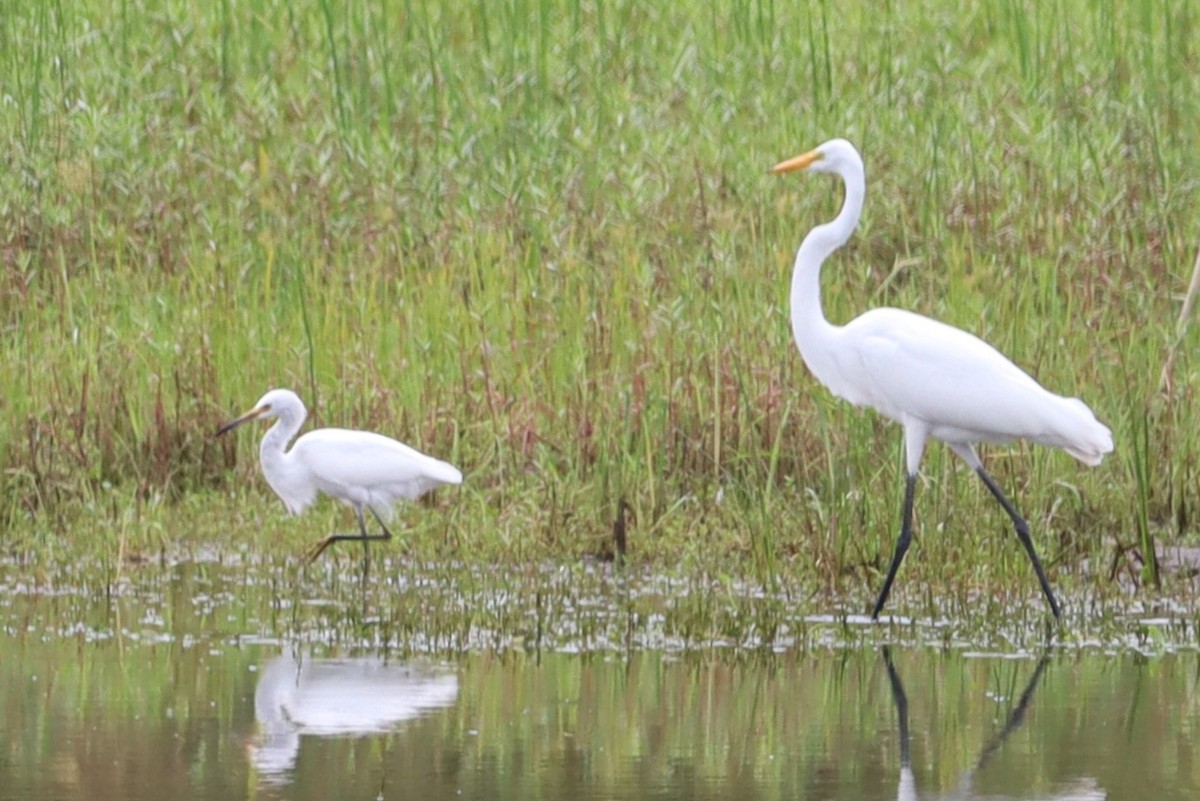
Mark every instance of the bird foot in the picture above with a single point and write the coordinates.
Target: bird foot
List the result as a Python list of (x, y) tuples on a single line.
[(317, 549)]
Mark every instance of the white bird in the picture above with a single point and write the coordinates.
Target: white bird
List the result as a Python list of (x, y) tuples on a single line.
[(360, 468), (935, 380)]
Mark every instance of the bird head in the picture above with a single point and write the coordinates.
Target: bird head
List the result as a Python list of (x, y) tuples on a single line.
[(836, 156), (276, 403)]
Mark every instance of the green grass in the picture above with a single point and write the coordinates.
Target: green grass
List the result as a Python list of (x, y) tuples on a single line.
[(538, 239)]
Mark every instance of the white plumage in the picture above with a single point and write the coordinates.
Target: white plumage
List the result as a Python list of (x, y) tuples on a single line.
[(359, 468), (921, 371), (935, 380)]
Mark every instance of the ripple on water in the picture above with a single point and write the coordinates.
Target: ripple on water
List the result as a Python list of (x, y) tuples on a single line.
[(587, 607)]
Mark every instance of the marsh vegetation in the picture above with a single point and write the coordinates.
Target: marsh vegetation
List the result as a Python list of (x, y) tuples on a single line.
[(539, 239)]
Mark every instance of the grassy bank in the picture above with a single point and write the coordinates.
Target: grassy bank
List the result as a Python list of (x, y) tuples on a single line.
[(539, 240)]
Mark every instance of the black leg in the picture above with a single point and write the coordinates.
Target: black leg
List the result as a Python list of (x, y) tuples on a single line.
[(1023, 534), (362, 536), (901, 544)]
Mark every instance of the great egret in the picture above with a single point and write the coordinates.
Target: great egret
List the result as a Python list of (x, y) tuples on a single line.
[(359, 468), (935, 380)]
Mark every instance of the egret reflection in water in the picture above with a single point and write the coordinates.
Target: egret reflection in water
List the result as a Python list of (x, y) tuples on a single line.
[(1083, 789), (338, 697)]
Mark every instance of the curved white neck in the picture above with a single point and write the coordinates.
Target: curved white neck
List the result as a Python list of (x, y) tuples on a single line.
[(808, 317), (273, 448), (292, 481)]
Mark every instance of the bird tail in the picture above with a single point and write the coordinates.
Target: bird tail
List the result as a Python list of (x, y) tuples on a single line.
[(1082, 435), (446, 473)]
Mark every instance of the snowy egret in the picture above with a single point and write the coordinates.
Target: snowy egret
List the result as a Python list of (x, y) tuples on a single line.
[(935, 380), (359, 468)]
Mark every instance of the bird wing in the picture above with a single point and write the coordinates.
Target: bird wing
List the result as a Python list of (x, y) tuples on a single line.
[(912, 367), (368, 468)]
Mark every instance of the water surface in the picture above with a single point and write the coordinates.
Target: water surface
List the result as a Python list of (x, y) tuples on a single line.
[(191, 681)]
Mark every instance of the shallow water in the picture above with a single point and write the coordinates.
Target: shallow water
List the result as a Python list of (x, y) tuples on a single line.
[(213, 681)]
